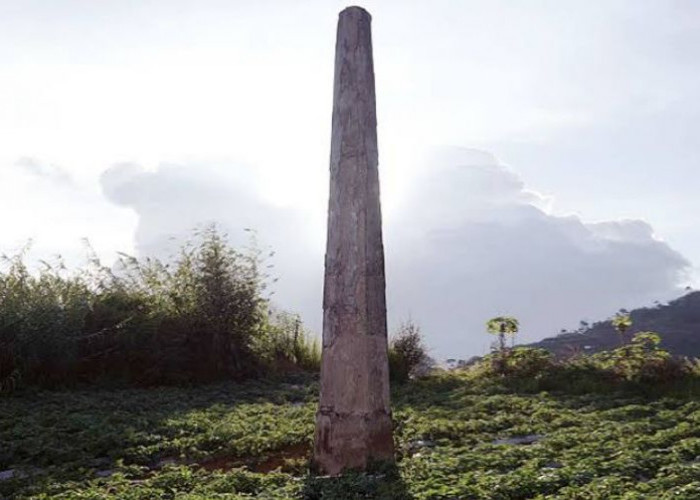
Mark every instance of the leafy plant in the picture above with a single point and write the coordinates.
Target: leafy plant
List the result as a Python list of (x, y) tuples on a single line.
[(407, 352), (502, 326), (642, 361), (622, 322), (458, 435)]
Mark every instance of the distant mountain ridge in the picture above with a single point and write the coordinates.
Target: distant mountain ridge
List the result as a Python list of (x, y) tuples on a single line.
[(678, 323)]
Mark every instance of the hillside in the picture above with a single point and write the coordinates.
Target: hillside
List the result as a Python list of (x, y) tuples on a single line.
[(678, 322)]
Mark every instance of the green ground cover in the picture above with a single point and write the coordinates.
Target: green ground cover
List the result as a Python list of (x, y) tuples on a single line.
[(251, 440)]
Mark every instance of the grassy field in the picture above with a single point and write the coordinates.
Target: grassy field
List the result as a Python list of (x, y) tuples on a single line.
[(456, 439)]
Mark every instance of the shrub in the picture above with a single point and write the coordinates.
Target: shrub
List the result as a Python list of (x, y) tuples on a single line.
[(41, 315), (286, 345), (502, 326), (520, 363), (407, 352), (198, 317), (529, 362), (642, 361), (639, 365)]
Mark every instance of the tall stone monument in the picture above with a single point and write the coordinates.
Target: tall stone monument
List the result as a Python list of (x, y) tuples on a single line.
[(353, 423)]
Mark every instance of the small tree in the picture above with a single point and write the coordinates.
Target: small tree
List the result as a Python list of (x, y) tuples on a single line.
[(407, 352), (622, 322), (502, 326)]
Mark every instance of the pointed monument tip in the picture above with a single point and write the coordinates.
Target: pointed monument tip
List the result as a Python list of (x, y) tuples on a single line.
[(355, 10)]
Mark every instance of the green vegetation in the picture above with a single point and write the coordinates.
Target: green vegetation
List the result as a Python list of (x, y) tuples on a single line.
[(200, 317), (639, 364), (678, 321), (621, 424), (78, 422), (502, 326), (622, 322), (465, 435), (407, 352)]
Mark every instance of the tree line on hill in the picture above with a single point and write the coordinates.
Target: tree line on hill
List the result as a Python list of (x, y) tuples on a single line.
[(679, 320)]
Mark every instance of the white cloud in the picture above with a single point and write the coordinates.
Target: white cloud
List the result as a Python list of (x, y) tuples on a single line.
[(42, 203), (468, 242), (174, 200)]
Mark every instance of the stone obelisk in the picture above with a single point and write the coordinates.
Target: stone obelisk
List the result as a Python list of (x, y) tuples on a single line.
[(353, 423)]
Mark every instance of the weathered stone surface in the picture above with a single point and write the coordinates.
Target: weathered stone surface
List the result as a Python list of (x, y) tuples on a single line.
[(353, 424)]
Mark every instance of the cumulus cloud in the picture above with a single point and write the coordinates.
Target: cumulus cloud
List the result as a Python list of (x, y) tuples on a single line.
[(469, 242), (472, 242), (176, 199)]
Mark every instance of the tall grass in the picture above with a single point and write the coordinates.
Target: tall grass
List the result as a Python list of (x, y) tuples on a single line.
[(200, 316)]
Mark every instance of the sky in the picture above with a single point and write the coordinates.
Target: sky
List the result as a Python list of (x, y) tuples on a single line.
[(537, 158)]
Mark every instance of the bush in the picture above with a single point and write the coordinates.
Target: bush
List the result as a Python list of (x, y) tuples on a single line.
[(642, 361), (520, 362), (286, 345), (202, 316), (640, 364), (41, 315), (529, 362), (407, 352)]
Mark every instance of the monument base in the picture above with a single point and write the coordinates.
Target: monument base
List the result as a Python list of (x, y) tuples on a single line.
[(351, 440)]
